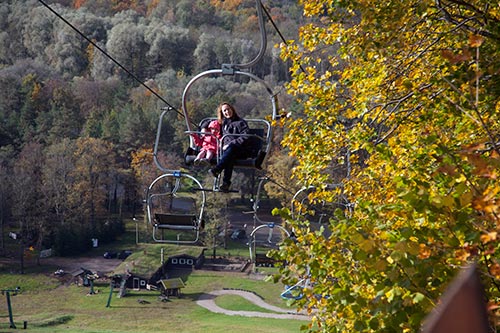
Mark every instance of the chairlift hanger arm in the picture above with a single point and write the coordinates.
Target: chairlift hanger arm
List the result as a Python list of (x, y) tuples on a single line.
[(233, 69), (157, 140), (211, 72), (228, 68)]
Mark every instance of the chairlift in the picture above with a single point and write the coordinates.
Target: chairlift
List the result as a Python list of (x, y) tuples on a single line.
[(175, 203), (258, 237), (175, 200), (260, 129)]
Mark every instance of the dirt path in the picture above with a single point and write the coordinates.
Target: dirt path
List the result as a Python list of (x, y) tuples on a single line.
[(208, 302), (70, 265)]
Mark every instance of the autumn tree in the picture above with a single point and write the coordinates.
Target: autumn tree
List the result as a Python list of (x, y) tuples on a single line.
[(28, 201), (142, 166), (403, 95), (169, 47), (95, 168), (127, 45), (57, 180), (66, 119), (216, 224)]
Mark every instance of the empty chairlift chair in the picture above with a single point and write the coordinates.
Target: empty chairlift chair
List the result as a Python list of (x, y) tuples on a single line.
[(175, 205)]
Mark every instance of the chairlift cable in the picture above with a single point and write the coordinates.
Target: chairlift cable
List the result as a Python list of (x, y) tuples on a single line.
[(279, 185), (109, 56), (278, 30), (274, 24)]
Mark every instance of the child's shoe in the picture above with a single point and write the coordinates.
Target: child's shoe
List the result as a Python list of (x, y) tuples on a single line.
[(203, 162)]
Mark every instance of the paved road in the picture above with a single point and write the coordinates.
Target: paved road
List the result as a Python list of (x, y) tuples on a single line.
[(208, 302)]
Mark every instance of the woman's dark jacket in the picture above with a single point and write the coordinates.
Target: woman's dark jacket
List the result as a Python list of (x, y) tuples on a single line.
[(237, 125)]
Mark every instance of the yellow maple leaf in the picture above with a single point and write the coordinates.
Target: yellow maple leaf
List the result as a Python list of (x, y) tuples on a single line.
[(490, 236), (462, 254), (495, 270)]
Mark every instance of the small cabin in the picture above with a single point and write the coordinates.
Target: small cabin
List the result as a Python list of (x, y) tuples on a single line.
[(136, 282), (171, 287), (176, 266)]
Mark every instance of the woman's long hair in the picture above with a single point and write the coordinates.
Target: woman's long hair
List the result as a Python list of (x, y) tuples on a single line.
[(220, 117)]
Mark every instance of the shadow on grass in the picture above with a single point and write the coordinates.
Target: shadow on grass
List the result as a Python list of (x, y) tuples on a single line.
[(53, 321), (193, 297), (146, 306)]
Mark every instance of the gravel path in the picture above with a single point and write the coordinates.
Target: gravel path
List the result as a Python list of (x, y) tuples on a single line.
[(208, 302)]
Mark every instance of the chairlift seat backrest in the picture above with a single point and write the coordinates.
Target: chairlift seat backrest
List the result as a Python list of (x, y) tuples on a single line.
[(258, 154), (175, 221)]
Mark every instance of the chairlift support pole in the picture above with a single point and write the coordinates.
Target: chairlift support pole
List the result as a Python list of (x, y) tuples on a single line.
[(111, 286), (7, 292)]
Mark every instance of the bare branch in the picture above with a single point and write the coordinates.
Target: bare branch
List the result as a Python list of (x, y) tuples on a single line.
[(475, 23)]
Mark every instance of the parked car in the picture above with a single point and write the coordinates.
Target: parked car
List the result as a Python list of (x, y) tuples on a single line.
[(124, 254), (239, 234), (110, 255)]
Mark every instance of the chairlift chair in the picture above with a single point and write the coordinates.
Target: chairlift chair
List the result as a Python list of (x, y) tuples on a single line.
[(260, 129), (257, 238), (175, 203)]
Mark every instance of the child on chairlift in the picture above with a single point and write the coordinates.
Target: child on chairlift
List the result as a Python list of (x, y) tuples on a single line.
[(207, 140)]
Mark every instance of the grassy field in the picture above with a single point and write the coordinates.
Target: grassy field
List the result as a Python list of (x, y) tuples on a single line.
[(48, 306)]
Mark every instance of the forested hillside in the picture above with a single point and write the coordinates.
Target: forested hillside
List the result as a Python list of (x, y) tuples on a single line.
[(77, 130)]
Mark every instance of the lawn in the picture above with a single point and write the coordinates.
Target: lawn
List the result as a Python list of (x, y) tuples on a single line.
[(69, 309), (48, 306)]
